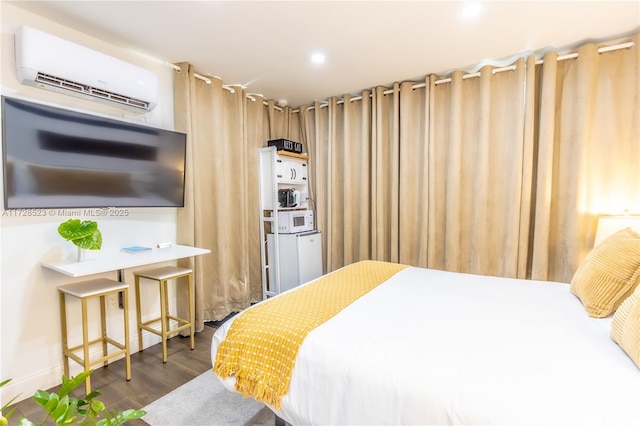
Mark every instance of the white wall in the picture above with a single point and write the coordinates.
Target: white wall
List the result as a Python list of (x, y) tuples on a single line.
[(30, 337)]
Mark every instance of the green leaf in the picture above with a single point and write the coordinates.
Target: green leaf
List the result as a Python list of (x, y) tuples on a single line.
[(10, 412), (63, 404), (73, 229), (133, 414), (97, 407), (93, 394), (84, 234), (116, 419), (91, 242), (68, 416), (25, 422), (8, 415), (82, 403), (52, 403), (41, 397), (70, 384)]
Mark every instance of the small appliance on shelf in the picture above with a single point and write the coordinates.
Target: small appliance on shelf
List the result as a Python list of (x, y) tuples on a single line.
[(287, 197), (295, 221), (286, 145)]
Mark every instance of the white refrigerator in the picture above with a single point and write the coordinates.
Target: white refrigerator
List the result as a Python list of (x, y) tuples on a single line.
[(300, 259)]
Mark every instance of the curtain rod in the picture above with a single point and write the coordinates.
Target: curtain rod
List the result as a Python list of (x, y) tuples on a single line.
[(415, 86), (202, 77), (477, 74), (600, 50), (251, 96)]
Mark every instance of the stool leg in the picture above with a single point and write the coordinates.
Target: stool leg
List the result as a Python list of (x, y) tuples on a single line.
[(138, 313), (127, 353), (164, 320), (65, 342), (165, 283), (85, 345), (103, 327), (192, 310)]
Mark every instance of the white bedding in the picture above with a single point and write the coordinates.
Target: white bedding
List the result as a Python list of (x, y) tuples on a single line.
[(434, 347)]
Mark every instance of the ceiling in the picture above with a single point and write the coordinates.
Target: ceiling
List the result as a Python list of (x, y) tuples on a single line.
[(266, 45)]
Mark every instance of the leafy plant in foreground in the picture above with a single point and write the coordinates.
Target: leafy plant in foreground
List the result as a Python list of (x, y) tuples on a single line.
[(63, 409)]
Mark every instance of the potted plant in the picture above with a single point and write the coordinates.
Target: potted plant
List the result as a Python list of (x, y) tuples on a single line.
[(84, 234), (63, 409)]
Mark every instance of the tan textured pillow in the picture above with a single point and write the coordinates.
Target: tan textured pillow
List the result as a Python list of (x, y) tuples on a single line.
[(625, 328), (609, 273)]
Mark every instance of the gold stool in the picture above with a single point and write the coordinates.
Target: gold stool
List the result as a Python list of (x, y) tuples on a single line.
[(162, 275), (84, 291)]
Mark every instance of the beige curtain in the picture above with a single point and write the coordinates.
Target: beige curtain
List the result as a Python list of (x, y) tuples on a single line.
[(385, 144), (433, 175), (501, 174), (478, 163), (338, 138), (588, 152), (414, 198), (224, 130)]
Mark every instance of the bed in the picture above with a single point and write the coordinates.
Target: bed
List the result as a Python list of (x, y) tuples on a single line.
[(434, 347)]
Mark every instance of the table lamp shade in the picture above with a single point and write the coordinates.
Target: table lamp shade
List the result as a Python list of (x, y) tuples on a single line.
[(608, 225)]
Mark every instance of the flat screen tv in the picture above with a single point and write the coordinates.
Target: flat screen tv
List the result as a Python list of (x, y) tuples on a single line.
[(59, 158)]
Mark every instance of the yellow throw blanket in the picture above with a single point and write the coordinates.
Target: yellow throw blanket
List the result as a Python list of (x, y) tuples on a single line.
[(262, 344)]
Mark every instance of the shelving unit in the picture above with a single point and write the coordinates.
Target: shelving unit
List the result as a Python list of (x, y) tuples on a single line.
[(278, 170)]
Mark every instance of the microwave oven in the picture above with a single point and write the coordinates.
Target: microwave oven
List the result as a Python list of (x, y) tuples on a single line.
[(294, 221)]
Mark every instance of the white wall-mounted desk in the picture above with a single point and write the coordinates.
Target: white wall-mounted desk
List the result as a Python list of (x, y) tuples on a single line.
[(118, 261)]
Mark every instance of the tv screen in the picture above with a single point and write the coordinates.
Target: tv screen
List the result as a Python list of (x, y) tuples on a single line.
[(58, 158)]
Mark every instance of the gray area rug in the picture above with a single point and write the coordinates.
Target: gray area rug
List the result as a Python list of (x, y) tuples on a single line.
[(205, 401)]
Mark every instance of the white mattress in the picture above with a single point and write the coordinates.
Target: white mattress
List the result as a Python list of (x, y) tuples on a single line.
[(434, 347)]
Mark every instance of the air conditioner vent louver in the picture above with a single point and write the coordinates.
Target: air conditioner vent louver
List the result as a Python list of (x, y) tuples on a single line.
[(88, 90)]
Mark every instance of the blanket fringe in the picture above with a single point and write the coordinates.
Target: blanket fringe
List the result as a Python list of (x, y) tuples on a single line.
[(254, 384)]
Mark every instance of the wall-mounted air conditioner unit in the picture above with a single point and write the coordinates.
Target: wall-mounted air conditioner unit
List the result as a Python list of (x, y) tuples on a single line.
[(50, 62)]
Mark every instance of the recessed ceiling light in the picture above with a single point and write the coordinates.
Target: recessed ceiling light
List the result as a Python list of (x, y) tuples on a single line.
[(471, 10), (318, 58)]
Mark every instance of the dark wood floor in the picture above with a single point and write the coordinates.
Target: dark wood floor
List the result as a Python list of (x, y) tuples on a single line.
[(150, 378)]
